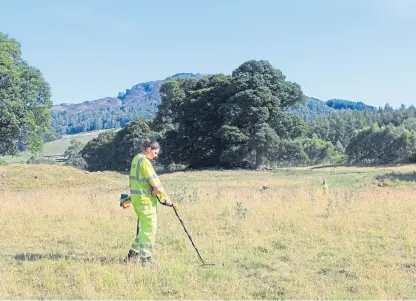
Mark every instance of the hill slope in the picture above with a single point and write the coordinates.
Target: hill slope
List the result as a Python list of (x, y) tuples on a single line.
[(143, 94), (143, 100)]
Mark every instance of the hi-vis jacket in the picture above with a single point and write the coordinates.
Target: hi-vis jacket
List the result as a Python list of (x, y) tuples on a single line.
[(143, 179)]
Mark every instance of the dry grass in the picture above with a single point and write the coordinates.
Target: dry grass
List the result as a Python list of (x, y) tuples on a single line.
[(63, 236)]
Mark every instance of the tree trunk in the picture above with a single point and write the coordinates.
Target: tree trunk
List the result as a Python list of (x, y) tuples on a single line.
[(259, 159)]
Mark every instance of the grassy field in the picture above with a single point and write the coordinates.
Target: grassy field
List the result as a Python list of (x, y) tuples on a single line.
[(53, 148), (63, 235)]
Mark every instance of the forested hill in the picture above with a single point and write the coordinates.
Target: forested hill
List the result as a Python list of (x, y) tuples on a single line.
[(143, 94), (143, 100), (110, 112), (315, 107)]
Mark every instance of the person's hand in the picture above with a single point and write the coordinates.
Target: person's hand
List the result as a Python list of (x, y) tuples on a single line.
[(155, 192), (168, 202)]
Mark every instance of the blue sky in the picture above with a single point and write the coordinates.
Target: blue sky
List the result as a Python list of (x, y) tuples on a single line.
[(361, 50)]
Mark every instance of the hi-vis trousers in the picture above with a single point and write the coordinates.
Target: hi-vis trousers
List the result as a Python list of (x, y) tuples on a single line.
[(145, 207)]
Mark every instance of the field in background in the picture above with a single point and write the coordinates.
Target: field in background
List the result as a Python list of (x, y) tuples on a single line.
[(54, 148), (272, 235)]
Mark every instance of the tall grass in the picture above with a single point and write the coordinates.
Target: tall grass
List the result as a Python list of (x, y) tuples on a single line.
[(64, 237)]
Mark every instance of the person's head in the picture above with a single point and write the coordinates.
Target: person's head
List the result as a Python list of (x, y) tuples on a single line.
[(151, 148)]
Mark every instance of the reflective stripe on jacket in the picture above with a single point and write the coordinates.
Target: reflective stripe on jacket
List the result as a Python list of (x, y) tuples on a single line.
[(143, 178)]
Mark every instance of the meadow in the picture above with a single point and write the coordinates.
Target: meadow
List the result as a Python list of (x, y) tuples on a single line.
[(272, 235), (54, 148)]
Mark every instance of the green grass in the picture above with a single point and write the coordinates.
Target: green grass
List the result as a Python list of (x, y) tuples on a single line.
[(64, 236), (53, 148)]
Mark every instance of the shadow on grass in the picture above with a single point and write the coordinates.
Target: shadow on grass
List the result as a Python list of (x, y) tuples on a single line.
[(405, 177), (58, 256)]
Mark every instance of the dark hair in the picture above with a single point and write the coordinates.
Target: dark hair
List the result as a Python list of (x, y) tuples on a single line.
[(151, 143)]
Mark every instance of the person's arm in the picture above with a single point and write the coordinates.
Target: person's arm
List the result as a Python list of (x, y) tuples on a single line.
[(153, 179)]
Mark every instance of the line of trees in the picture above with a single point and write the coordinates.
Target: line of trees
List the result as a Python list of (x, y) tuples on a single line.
[(67, 123), (247, 120)]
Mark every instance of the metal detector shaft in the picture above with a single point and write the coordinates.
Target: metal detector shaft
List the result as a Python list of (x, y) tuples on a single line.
[(189, 236)]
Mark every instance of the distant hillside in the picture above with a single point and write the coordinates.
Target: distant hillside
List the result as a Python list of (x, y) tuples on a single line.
[(94, 105), (342, 104), (311, 109), (145, 95), (143, 99), (314, 107), (110, 112)]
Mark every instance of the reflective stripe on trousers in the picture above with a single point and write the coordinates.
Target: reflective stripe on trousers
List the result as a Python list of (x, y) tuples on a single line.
[(140, 191), (145, 240)]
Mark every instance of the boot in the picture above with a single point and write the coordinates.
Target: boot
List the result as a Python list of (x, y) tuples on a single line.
[(148, 263), (132, 257)]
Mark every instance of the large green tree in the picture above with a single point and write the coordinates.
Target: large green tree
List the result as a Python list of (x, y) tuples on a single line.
[(189, 116), (258, 95), (229, 121), (24, 101)]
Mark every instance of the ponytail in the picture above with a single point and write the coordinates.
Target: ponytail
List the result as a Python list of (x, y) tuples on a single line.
[(151, 143)]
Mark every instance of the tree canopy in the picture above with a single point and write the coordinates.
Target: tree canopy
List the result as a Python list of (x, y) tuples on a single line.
[(224, 121), (25, 101), (251, 118)]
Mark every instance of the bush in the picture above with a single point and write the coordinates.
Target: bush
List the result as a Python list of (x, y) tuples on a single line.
[(175, 167), (73, 155), (40, 160), (2, 162)]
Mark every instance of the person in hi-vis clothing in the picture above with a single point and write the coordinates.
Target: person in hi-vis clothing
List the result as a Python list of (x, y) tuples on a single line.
[(145, 186)]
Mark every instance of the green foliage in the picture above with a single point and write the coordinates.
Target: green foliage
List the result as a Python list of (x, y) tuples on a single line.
[(99, 152), (128, 142), (189, 113), (115, 150), (290, 153), (244, 120), (304, 151), (339, 147), (174, 167), (346, 104), (226, 120), (288, 126), (410, 123), (382, 145), (340, 126), (73, 154), (64, 122), (142, 100), (257, 95), (241, 211), (231, 135), (40, 160), (24, 101), (319, 151), (172, 93), (2, 162), (312, 109)]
